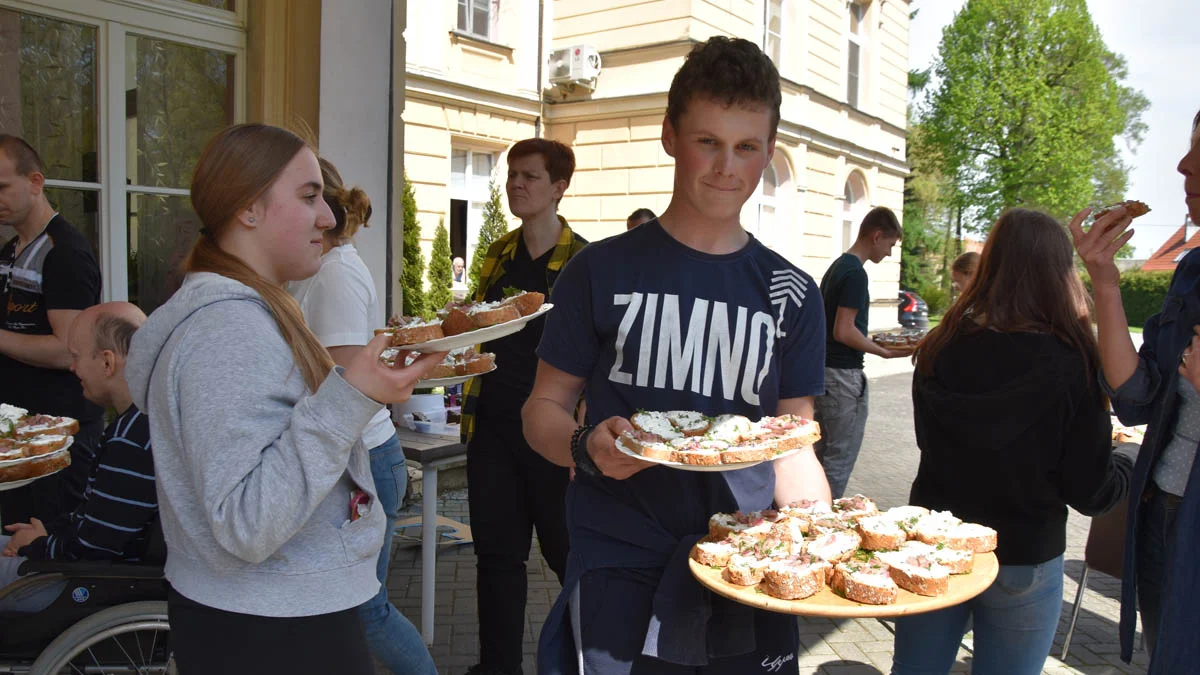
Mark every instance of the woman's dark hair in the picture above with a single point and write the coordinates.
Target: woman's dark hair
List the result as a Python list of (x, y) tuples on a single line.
[(1026, 282), (730, 71), (350, 206)]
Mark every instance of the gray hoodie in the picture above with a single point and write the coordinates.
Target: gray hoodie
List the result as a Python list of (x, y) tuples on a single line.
[(254, 470)]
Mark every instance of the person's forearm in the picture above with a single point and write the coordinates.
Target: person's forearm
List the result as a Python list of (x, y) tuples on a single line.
[(548, 429), (42, 351), (853, 339), (1117, 354)]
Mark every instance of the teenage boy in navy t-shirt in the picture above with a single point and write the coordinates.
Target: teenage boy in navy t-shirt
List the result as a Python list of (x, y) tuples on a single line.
[(684, 312)]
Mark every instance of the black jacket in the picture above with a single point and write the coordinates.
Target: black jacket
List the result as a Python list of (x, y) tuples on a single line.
[(1013, 428)]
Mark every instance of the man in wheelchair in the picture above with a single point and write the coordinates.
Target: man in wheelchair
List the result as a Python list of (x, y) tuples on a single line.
[(120, 503)]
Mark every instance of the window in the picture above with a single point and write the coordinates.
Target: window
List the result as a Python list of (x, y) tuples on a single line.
[(773, 30), (470, 180), (766, 202), (854, 50), (119, 172), (475, 17), (56, 56), (854, 208)]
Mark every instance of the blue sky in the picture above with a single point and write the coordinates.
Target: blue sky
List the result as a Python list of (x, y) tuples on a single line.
[(1161, 42)]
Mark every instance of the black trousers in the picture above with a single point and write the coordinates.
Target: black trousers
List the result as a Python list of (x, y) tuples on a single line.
[(55, 496), (512, 491), (207, 641)]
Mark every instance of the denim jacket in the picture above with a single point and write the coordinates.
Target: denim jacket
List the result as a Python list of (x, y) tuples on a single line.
[(1149, 397)]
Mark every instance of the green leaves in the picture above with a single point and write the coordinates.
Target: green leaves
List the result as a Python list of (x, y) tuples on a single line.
[(411, 285), (495, 225), (1027, 106), (441, 276)]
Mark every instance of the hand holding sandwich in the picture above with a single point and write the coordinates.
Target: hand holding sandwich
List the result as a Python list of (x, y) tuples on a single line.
[(1099, 245), (602, 447), (384, 383)]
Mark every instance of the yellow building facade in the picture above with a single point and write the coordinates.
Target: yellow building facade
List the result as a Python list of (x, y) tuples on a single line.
[(474, 86)]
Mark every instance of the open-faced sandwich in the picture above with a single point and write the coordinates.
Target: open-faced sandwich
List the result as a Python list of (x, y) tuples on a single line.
[(457, 318), (692, 438), (33, 445), (1133, 208), (863, 554)]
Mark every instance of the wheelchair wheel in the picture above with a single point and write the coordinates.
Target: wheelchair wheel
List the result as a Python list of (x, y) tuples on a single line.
[(126, 639)]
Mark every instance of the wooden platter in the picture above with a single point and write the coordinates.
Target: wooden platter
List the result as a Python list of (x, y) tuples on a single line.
[(826, 603)]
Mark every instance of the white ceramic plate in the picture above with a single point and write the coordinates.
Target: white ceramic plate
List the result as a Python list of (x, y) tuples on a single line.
[(450, 381), (699, 467), (477, 336)]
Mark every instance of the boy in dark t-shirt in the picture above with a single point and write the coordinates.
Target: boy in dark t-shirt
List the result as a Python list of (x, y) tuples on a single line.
[(842, 409), (48, 274), (684, 312)]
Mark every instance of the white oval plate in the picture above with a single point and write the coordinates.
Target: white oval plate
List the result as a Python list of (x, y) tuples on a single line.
[(477, 336), (700, 467), (451, 381)]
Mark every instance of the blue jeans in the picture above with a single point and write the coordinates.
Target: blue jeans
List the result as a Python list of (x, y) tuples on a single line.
[(394, 641), (1155, 546), (842, 413), (1014, 623)]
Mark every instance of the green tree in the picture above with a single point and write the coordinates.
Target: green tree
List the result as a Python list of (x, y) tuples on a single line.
[(440, 275), (495, 225), (1026, 108), (411, 285)]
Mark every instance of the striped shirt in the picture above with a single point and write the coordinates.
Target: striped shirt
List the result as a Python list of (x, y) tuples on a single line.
[(119, 503)]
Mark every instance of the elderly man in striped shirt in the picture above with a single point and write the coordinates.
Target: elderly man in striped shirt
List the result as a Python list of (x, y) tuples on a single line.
[(120, 502)]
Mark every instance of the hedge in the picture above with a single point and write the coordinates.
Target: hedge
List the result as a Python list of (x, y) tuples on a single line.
[(1142, 293)]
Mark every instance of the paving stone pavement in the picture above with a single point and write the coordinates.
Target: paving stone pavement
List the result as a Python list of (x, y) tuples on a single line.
[(885, 469)]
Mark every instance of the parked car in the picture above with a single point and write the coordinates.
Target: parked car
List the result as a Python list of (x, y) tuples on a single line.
[(913, 312)]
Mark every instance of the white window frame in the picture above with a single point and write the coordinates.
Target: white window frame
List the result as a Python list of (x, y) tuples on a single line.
[(465, 194), (471, 28), (775, 53), (855, 205), (175, 21), (859, 40)]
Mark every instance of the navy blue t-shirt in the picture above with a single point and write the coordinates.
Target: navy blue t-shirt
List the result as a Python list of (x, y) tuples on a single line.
[(654, 325)]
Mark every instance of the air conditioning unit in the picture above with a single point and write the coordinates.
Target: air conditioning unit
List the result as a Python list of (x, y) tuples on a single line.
[(575, 66)]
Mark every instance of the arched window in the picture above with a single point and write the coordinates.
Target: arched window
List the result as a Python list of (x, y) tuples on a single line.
[(854, 207)]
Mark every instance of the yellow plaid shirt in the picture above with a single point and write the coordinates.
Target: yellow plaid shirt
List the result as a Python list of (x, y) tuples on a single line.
[(500, 252)]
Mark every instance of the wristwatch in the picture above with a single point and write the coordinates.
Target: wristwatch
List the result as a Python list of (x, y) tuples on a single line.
[(579, 454)]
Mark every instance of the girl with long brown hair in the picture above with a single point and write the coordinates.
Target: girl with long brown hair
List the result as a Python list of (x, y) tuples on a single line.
[(1013, 428), (268, 507), (341, 307)]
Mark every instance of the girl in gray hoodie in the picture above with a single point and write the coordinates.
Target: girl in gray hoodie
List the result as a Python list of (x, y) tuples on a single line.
[(267, 503)]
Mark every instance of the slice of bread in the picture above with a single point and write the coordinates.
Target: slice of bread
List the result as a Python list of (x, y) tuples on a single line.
[(921, 575), (972, 537), (698, 453), (868, 582), (714, 553), (456, 322), (474, 364), (689, 422), (826, 523), (834, 547), (794, 578), (526, 303), (958, 562), (757, 451), (656, 423), (852, 508), (641, 444), (36, 425), (732, 428), (879, 533), (45, 444), (745, 570), (35, 467), (442, 370), (934, 527), (722, 525), (492, 313), (416, 334), (906, 517)]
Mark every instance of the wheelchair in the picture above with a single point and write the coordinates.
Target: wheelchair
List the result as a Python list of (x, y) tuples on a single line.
[(110, 618)]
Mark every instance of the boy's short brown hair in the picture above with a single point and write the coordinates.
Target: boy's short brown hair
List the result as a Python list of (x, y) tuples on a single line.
[(559, 159), (880, 219), (730, 71)]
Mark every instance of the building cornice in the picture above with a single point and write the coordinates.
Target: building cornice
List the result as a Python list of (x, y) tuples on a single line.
[(422, 85)]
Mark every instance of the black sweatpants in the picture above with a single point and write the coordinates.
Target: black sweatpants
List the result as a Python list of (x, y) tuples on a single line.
[(207, 640), (512, 491)]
